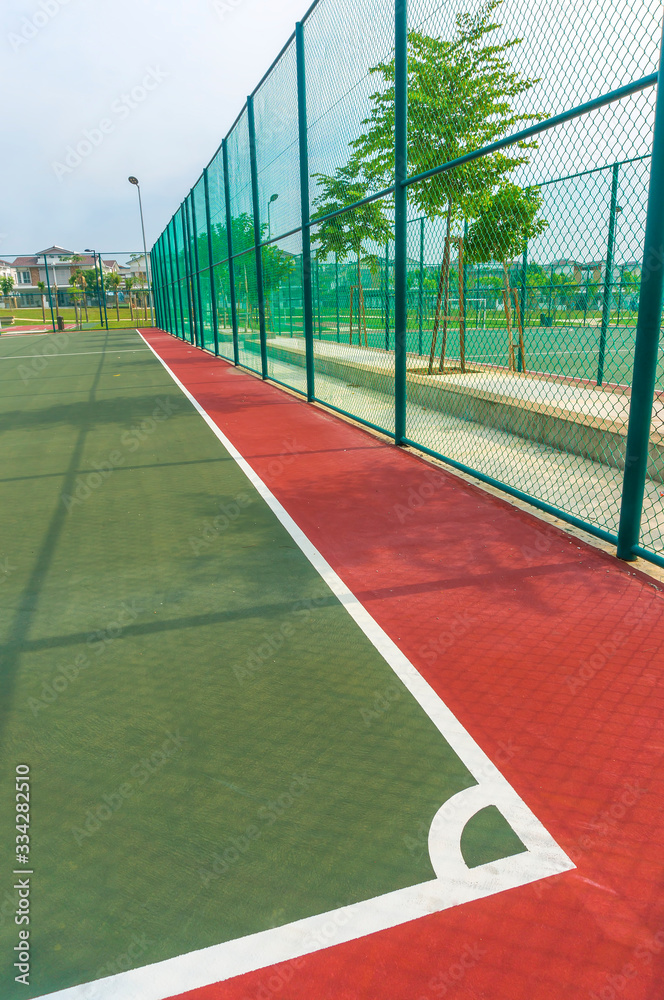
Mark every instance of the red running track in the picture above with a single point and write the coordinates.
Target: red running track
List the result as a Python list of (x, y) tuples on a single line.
[(556, 669)]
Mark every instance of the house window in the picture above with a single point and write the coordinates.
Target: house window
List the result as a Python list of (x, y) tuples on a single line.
[(24, 277)]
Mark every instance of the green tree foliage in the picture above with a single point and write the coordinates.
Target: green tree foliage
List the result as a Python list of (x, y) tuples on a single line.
[(347, 234), (461, 97), (113, 281), (6, 284), (504, 223)]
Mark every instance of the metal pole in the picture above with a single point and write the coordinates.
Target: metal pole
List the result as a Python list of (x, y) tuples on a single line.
[(257, 235), (172, 268), (387, 295), (307, 300), (103, 290), (608, 275), (213, 289), (420, 290), (50, 297), (145, 251), (400, 215), (194, 222), (524, 294), (99, 302), (165, 322), (177, 271), (336, 289), (290, 305), (320, 328), (231, 269), (186, 239), (647, 345)]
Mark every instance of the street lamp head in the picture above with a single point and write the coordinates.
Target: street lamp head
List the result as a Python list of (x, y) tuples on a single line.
[(133, 180), (273, 198)]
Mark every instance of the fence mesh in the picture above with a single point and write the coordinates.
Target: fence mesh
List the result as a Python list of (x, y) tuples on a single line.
[(523, 263)]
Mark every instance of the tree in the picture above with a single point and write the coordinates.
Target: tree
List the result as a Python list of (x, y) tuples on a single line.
[(129, 284), (505, 221), (347, 233), (75, 294), (114, 281), (6, 284), (41, 285), (460, 98)]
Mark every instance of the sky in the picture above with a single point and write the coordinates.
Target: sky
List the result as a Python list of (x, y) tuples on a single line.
[(95, 91), (142, 87)]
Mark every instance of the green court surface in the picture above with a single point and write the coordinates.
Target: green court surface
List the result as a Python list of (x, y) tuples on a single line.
[(571, 351), (215, 746)]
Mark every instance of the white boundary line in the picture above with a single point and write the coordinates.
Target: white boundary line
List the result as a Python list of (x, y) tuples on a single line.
[(74, 354), (454, 884)]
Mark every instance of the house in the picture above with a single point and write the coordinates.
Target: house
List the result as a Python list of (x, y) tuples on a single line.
[(54, 267)]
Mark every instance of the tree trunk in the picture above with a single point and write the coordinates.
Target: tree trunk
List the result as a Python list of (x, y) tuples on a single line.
[(131, 308), (442, 281), (506, 302), (522, 348), (446, 304), (350, 317), (462, 309), (117, 305), (43, 309)]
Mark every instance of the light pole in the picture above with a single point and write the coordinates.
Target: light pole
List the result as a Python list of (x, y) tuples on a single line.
[(134, 180)]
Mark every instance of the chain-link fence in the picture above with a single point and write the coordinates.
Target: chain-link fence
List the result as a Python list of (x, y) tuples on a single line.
[(439, 219), (62, 290)]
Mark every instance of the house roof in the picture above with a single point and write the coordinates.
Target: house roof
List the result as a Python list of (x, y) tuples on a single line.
[(60, 251)]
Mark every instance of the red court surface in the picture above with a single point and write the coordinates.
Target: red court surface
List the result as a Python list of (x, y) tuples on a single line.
[(550, 653)]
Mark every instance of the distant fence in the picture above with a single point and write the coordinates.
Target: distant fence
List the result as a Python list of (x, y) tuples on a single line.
[(439, 219), (51, 291)]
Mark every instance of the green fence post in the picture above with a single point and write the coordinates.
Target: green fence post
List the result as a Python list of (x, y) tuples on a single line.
[(336, 290), (307, 299), (193, 269), (400, 214), (608, 275), (186, 238), (50, 297), (194, 224), (420, 290), (213, 287), (523, 297), (257, 234), (647, 345), (103, 290), (165, 289), (387, 295), (229, 240), (175, 272), (179, 276)]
